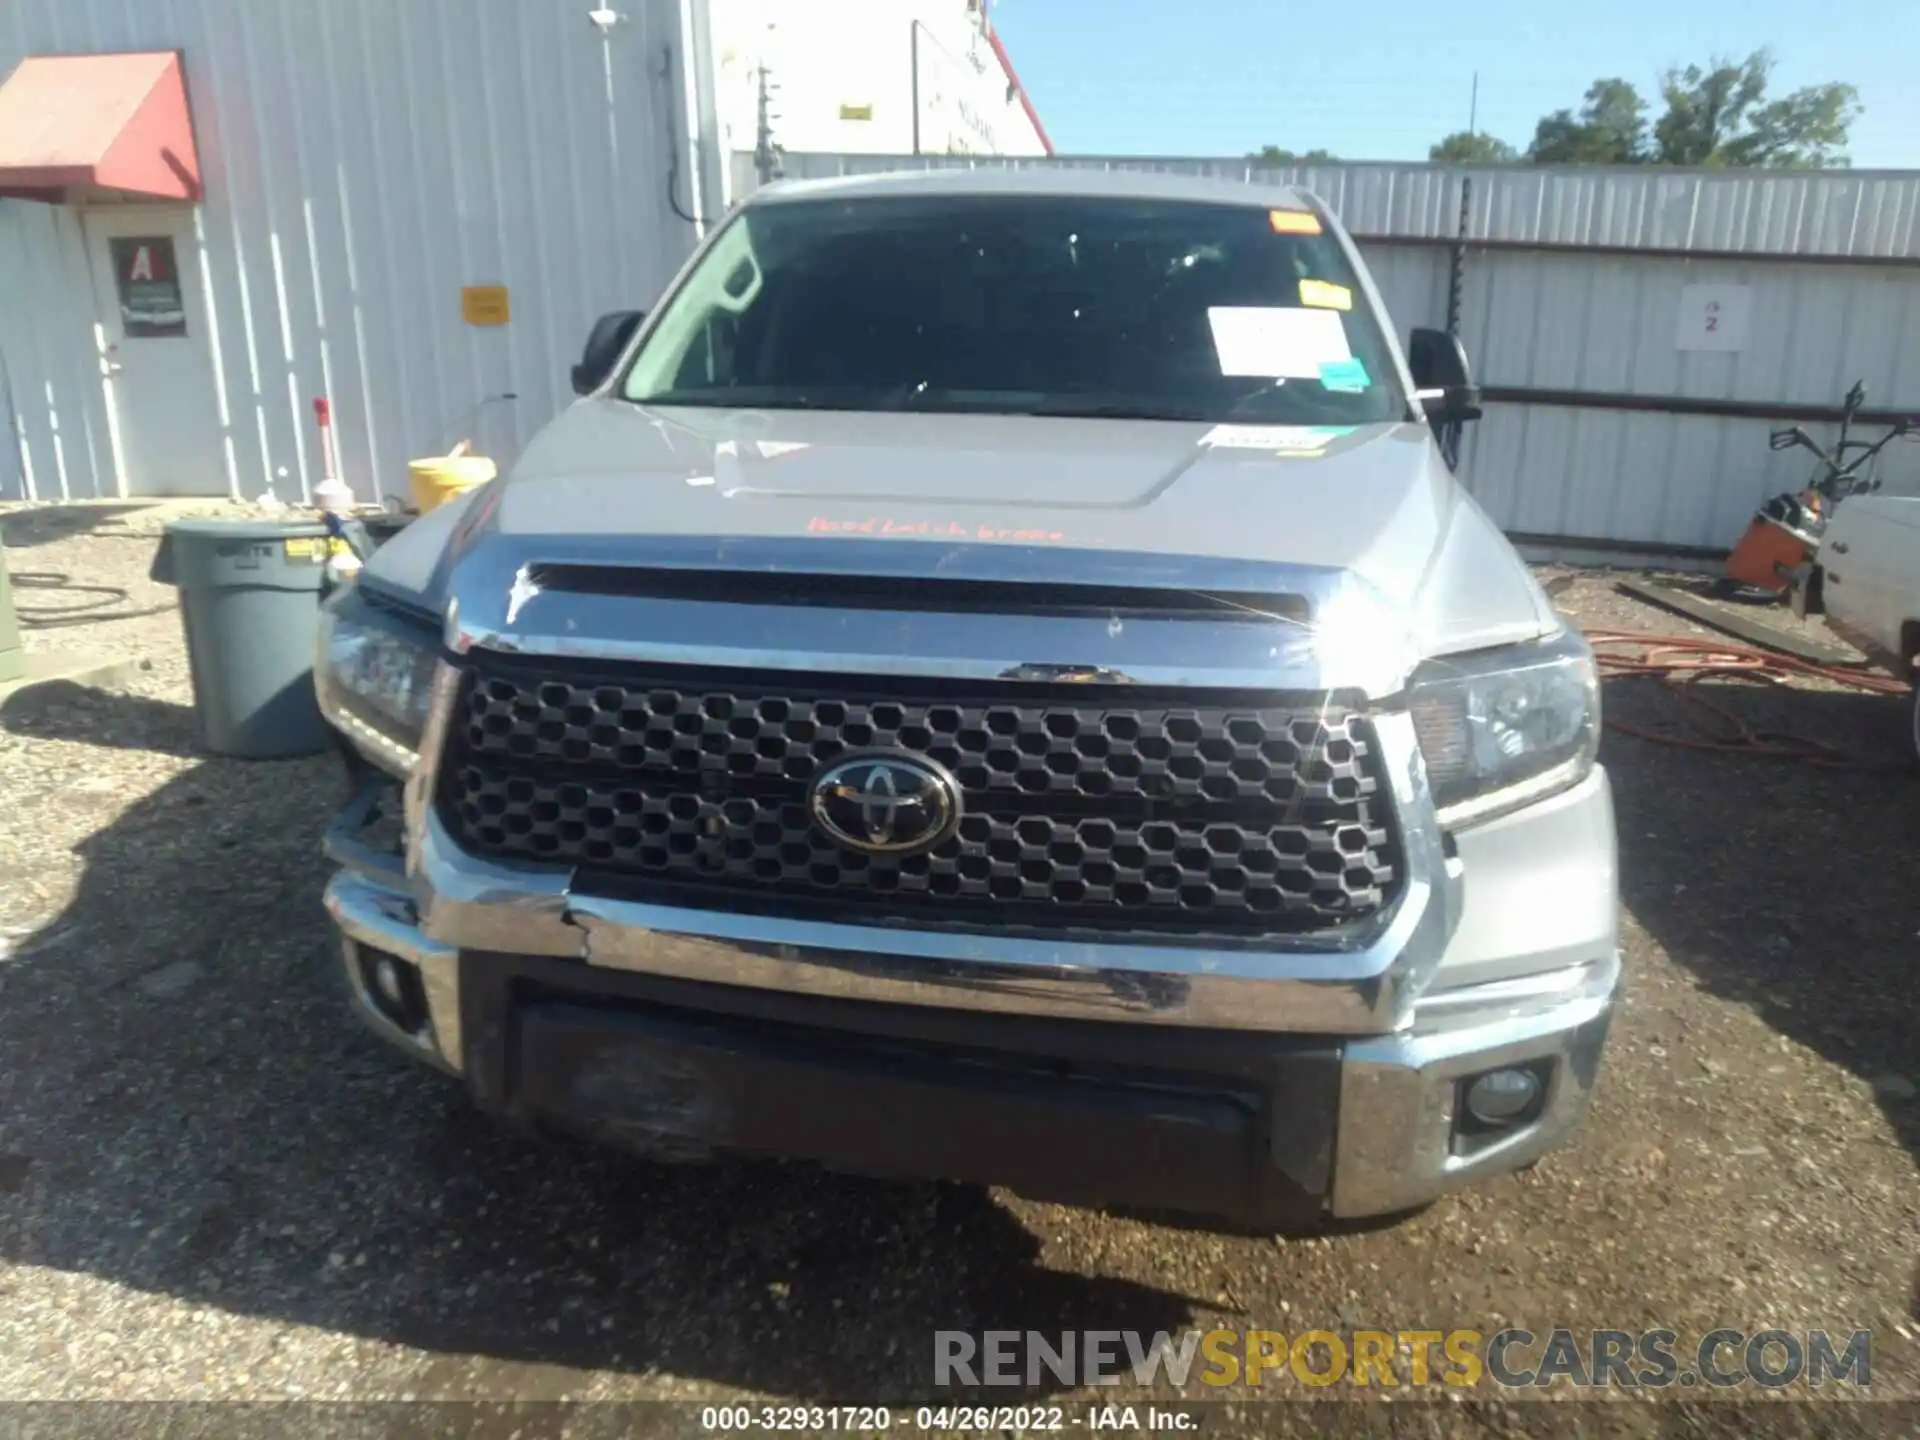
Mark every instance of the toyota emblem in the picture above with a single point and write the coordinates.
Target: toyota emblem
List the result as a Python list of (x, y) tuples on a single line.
[(885, 804)]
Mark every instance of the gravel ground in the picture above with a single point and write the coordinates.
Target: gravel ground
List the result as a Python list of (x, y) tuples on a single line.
[(213, 1185)]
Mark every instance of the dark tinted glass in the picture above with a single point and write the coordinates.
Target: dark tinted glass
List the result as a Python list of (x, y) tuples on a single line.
[(1023, 304)]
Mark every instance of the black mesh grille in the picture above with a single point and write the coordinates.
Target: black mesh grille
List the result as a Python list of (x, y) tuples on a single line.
[(1086, 806)]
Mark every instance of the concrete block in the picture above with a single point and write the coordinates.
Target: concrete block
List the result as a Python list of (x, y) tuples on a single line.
[(78, 667)]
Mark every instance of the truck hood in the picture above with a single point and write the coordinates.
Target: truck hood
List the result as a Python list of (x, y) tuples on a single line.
[(992, 497)]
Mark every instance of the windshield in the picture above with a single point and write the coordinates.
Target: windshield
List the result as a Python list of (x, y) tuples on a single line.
[(1025, 305)]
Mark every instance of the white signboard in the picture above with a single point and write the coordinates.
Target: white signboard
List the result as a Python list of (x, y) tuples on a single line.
[(1714, 317)]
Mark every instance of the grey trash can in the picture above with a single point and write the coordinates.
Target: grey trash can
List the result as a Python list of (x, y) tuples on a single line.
[(250, 605)]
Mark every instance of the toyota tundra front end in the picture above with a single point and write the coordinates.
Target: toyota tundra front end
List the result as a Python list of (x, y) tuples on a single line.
[(994, 680)]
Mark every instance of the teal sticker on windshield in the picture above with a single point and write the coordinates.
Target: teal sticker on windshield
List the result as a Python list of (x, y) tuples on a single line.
[(1348, 375)]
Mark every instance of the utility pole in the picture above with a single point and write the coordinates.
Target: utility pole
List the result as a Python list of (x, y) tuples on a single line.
[(913, 74), (1457, 258), (766, 155)]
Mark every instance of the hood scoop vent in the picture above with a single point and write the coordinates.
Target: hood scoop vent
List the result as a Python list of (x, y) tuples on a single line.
[(919, 594)]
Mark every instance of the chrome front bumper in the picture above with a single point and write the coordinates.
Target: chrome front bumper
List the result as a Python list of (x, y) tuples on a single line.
[(1519, 967), (1399, 1093)]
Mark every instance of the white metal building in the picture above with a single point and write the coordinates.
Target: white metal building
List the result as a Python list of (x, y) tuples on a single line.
[(215, 212), (875, 77), (346, 174)]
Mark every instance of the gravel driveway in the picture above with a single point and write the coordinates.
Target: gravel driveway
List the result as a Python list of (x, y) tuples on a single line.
[(213, 1185)]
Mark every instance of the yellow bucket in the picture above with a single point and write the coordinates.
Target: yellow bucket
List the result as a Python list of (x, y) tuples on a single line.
[(441, 478)]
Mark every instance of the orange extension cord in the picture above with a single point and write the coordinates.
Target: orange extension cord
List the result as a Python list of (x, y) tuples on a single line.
[(1680, 662)]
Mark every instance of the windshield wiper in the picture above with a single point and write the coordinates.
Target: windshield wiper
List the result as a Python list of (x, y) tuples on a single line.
[(726, 400), (935, 403), (923, 401), (1071, 407)]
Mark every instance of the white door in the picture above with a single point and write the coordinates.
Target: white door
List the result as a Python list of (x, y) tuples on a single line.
[(159, 357)]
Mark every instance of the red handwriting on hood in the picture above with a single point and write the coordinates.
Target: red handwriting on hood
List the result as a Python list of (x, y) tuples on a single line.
[(933, 530)]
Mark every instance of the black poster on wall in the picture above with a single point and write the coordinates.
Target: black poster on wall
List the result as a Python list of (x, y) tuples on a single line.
[(151, 306)]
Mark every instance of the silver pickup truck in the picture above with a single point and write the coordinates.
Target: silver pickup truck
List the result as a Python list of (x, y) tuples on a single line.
[(995, 679)]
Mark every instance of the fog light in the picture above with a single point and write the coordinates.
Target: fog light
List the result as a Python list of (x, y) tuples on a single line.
[(1502, 1096), (392, 988)]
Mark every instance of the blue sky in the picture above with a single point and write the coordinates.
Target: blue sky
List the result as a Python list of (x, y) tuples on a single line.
[(1384, 79)]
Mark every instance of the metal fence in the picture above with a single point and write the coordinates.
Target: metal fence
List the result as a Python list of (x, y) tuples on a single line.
[(1611, 418)]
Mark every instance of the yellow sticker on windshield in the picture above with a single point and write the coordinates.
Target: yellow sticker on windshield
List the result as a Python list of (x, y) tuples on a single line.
[(1325, 295), (1294, 222)]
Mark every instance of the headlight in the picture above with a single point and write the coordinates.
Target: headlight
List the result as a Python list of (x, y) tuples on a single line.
[(374, 676), (1505, 727)]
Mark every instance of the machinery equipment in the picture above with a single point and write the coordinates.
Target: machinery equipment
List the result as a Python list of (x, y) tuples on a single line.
[(1776, 552)]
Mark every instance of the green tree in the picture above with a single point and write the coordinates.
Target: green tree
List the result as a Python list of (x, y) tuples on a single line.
[(1806, 130), (1469, 147), (1707, 108), (1711, 115), (1274, 155), (1720, 115), (1610, 129)]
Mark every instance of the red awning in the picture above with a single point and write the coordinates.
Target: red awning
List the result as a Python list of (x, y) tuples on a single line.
[(77, 127)]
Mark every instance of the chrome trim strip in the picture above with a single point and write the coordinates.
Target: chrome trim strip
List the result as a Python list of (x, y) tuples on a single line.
[(1522, 995), (1394, 1148), (1357, 640), (1269, 667), (342, 843), (418, 787)]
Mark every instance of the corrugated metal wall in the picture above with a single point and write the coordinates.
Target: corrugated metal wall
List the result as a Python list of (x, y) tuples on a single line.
[(50, 387), (363, 160), (1605, 324), (1830, 305), (1830, 212)]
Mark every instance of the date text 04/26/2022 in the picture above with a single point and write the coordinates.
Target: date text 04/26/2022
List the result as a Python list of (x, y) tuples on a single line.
[(947, 1419)]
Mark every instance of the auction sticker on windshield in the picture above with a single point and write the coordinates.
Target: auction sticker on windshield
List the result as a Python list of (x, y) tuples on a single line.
[(1294, 222), (1326, 295), (1277, 342), (1345, 375)]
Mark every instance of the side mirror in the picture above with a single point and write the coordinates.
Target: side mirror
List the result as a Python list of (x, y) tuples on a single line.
[(605, 345), (1442, 378)]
